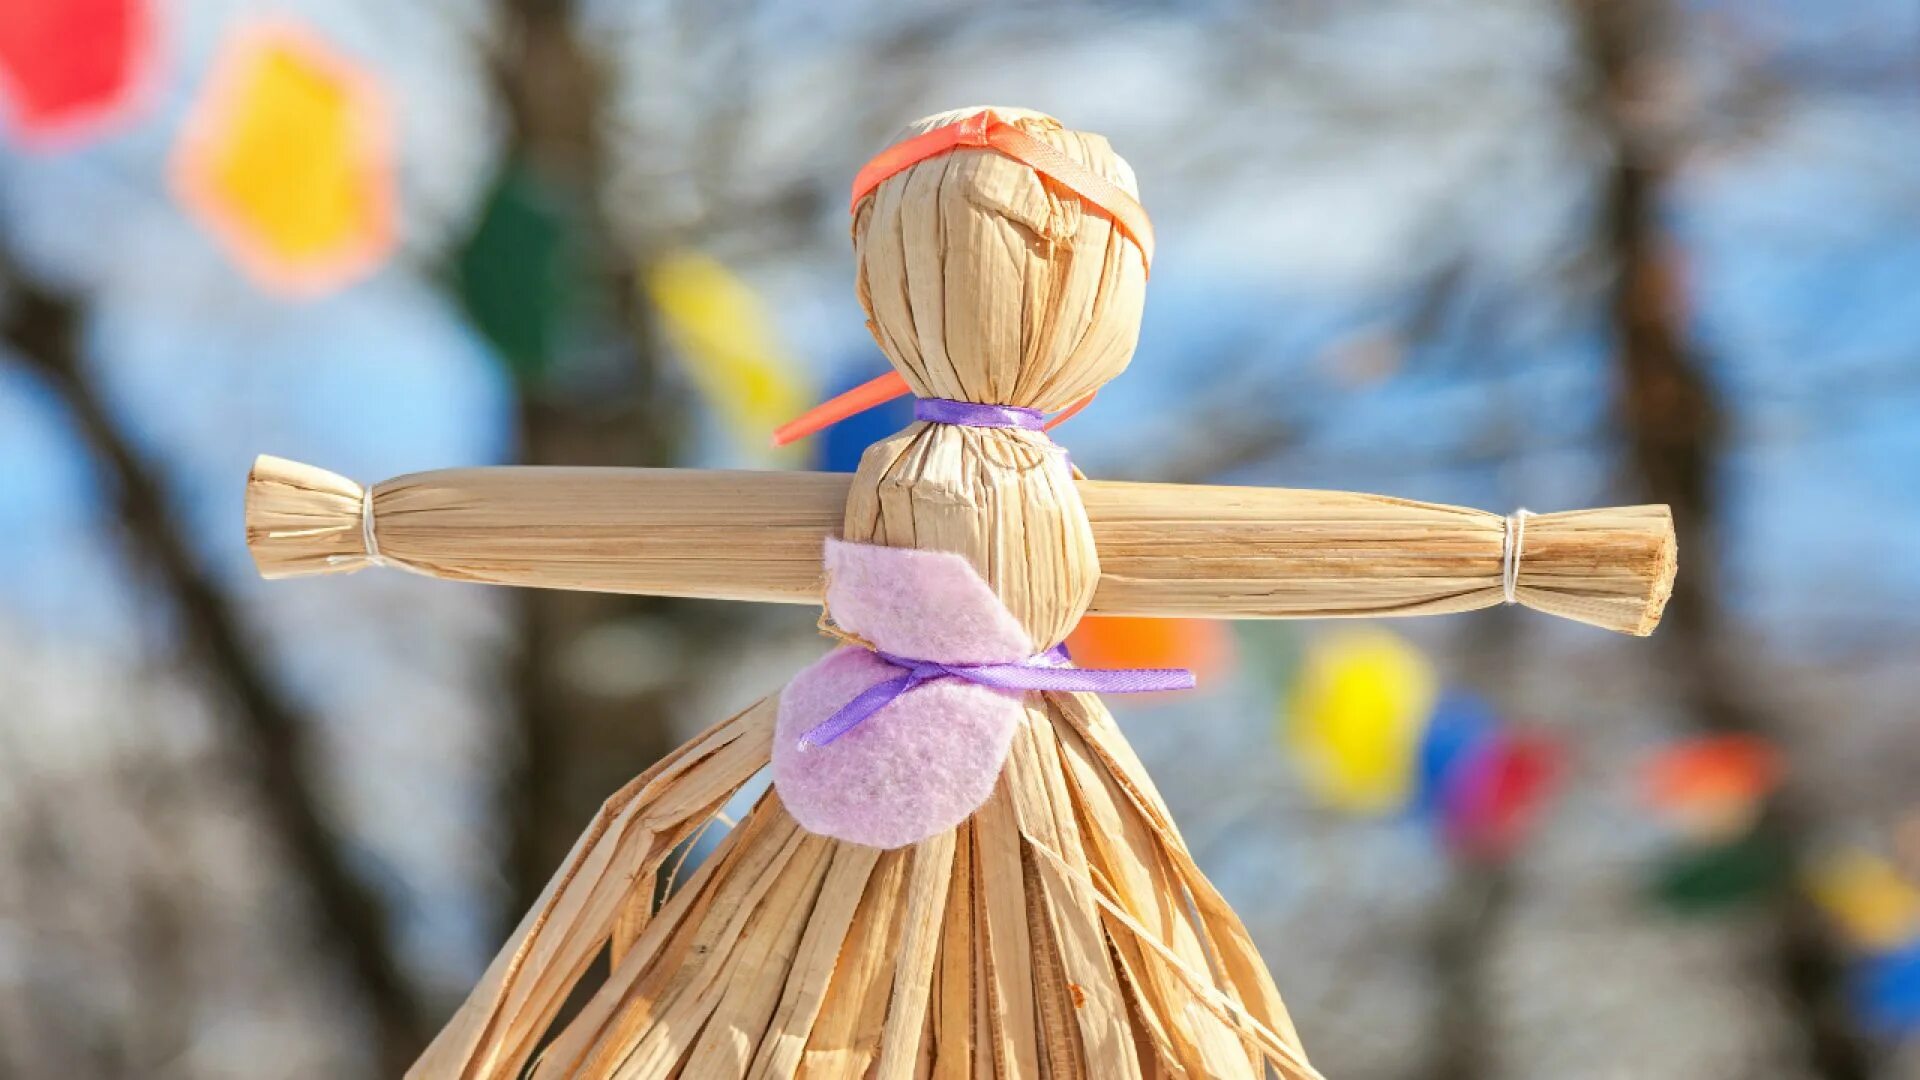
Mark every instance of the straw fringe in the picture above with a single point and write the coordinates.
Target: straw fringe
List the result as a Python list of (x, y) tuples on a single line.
[(507, 1014), (1061, 933)]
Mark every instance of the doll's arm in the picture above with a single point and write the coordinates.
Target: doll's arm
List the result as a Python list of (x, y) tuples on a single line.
[(1165, 549), (1246, 552), (660, 532)]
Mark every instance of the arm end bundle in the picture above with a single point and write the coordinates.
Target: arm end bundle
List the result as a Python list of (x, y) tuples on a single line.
[(1611, 568), (302, 520)]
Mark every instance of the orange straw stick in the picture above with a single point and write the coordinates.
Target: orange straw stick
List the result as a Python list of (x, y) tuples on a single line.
[(867, 395), (1069, 412), (872, 394)]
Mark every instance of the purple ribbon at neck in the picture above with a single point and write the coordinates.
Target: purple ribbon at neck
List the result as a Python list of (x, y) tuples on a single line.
[(1047, 671), (939, 410), (974, 414)]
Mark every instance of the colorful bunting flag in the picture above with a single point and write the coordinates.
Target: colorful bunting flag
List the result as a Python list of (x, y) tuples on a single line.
[(1713, 787), (1496, 792), (516, 272), (1355, 720), (1873, 904), (69, 68), (1461, 728), (1701, 879), (1205, 646), (1877, 908), (286, 157), (725, 338), (1886, 991)]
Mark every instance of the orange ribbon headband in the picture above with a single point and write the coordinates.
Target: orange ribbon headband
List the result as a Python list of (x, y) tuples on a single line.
[(985, 131)]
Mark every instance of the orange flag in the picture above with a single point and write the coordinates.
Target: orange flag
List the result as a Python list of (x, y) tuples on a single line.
[(1711, 786), (1106, 641)]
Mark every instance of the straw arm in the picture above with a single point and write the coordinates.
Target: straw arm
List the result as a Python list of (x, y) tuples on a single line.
[(1165, 549), (1239, 552)]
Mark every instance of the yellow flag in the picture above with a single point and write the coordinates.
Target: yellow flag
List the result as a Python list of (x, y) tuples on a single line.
[(1873, 904), (1355, 719), (286, 157), (726, 339)]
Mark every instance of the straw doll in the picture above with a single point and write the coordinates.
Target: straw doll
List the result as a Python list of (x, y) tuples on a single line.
[(961, 869)]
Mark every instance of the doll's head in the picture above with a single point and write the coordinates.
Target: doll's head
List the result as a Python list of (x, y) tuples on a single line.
[(1009, 268)]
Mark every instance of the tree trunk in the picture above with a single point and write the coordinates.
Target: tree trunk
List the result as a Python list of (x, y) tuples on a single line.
[(575, 744), (1674, 430)]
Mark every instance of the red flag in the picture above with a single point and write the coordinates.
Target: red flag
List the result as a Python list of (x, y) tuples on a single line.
[(1499, 794), (69, 66)]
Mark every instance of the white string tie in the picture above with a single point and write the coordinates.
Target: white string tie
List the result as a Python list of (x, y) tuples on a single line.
[(368, 538), (1513, 543)]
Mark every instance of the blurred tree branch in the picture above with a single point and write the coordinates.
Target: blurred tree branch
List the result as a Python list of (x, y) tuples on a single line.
[(1675, 433), (41, 328)]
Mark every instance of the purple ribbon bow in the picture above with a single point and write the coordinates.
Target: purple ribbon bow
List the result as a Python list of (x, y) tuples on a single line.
[(1047, 671)]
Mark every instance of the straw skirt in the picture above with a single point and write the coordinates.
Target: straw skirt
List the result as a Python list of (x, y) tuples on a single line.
[(1063, 931)]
